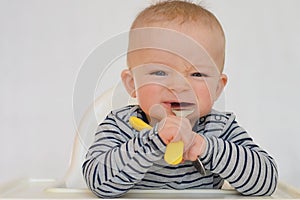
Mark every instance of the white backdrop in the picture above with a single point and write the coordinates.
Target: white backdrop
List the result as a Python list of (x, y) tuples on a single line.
[(44, 43)]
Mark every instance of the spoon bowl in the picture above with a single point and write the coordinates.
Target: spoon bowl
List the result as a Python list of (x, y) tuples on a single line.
[(182, 112)]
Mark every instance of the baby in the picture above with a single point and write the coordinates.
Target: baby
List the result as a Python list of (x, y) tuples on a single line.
[(175, 63)]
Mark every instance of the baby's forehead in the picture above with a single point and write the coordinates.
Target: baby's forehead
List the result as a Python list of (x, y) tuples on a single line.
[(171, 58), (192, 44)]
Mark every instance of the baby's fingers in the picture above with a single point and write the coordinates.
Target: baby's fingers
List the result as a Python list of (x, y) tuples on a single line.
[(195, 148)]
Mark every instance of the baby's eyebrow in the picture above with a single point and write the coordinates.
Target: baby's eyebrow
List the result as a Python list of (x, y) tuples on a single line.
[(201, 67)]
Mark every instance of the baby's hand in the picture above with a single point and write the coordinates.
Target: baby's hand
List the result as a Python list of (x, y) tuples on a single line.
[(173, 129), (195, 149)]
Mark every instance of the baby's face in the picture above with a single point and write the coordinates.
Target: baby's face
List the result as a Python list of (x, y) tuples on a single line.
[(180, 76)]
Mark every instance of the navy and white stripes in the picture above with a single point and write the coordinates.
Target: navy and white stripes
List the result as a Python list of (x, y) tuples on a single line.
[(122, 158)]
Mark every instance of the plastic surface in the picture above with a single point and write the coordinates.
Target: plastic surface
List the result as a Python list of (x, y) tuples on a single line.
[(43, 189)]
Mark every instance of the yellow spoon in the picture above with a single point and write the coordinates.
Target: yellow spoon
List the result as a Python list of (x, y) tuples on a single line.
[(197, 163), (138, 124), (174, 150)]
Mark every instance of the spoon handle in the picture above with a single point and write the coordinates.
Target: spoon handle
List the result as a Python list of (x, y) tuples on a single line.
[(199, 166), (197, 163)]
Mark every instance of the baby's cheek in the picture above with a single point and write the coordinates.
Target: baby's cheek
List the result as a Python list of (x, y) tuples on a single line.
[(205, 103), (145, 101)]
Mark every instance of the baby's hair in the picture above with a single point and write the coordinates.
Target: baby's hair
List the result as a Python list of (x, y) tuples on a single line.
[(178, 11)]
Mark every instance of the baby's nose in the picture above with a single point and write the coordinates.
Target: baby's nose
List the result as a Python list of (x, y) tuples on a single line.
[(179, 83)]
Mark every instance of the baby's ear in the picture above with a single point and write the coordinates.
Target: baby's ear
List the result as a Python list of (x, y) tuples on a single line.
[(128, 82), (221, 84)]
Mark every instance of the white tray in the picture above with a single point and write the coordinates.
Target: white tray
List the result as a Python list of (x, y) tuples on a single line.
[(47, 189)]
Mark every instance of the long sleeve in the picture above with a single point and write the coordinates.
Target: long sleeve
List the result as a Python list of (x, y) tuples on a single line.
[(233, 155), (120, 157)]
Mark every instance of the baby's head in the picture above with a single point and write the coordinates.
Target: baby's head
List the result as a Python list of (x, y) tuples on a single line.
[(187, 18), (170, 44)]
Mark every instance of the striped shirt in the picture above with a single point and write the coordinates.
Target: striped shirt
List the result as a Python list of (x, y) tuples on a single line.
[(122, 158)]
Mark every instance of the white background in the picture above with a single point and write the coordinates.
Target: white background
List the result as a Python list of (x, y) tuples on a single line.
[(43, 44)]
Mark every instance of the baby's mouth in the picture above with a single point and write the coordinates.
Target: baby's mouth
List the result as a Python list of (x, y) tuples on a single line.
[(182, 105)]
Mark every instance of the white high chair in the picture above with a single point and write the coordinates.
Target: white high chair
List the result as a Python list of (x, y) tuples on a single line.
[(73, 185), (113, 98)]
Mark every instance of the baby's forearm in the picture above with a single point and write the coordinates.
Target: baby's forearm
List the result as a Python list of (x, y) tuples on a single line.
[(113, 169), (249, 169)]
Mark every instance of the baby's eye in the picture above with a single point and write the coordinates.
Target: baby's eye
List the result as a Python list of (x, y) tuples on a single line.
[(158, 73), (198, 74)]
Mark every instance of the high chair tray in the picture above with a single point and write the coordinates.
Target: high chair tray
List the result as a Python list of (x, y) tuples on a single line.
[(46, 189)]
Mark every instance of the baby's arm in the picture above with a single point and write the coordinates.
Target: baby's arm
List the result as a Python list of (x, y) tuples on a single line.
[(235, 157), (117, 160)]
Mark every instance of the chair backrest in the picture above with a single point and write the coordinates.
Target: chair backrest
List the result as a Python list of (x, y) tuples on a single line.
[(111, 99)]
